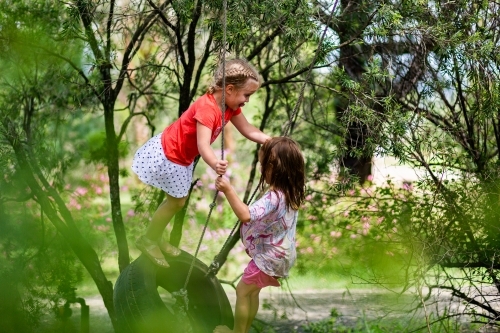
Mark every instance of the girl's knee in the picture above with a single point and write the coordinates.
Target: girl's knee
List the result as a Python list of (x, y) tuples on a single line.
[(179, 203), (255, 293), (174, 203), (244, 290)]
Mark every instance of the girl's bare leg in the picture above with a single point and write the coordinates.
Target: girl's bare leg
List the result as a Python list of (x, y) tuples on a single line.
[(243, 312), (254, 307), (243, 316), (161, 218)]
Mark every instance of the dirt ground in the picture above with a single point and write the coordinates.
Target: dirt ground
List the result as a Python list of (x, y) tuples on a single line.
[(288, 312), (285, 312)]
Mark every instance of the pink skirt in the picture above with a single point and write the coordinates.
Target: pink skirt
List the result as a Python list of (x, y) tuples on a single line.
[(253, 275)]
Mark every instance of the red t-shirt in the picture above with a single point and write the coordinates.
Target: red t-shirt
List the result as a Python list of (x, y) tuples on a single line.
[(179, 139)]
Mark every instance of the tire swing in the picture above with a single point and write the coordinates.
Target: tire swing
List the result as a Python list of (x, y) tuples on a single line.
[(194, 300), (140, 308)]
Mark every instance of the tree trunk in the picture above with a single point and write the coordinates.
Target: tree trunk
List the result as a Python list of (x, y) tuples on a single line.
[(114, 188), (55, 209), (352, 60)]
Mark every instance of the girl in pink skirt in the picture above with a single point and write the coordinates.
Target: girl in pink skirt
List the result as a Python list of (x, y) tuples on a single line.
[(268, 226)]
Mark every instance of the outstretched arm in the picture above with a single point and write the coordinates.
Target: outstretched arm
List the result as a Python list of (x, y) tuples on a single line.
[(203, 136), (239, 207), (248, 130)]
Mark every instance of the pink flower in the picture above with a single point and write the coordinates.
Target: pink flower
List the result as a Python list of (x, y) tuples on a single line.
[(408, 186), (131, 213), (348, 227), (335, 234), (346, 213), (81, 191), (369, 178), (354, 236), (74, 204)]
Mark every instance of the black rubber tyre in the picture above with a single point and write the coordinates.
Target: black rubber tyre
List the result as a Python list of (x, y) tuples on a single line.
[(139, 307)]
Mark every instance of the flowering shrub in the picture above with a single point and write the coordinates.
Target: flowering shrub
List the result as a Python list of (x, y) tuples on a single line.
[(362, 233)]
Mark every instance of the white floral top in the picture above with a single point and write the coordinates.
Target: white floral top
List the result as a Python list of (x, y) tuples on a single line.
[(269, 237)]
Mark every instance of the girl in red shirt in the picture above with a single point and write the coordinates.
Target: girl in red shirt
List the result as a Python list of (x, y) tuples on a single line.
[(166, 160)]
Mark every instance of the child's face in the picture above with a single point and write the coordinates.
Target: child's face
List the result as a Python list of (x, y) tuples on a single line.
[(236, 98)]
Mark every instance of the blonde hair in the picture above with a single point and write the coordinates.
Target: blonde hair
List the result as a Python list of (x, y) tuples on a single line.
[(238, 71)]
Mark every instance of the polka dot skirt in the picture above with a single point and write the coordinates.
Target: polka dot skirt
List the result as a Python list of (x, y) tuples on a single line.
[(153, 168)]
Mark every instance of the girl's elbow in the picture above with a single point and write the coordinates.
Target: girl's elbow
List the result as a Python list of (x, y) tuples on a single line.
[(245, 219)]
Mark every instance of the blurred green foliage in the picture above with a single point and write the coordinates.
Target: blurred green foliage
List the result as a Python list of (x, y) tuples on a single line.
[(422, 86)]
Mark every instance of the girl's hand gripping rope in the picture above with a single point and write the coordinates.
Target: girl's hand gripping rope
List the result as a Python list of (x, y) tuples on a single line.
[(222, 184), (221, 167)]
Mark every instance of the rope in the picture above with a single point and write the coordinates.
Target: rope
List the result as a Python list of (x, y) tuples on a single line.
[(215, 265), (212, 205), (223, 99), (223, 111)]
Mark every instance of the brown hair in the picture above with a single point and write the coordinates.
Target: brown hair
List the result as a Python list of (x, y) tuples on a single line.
[(283, 165), (238, 71)]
